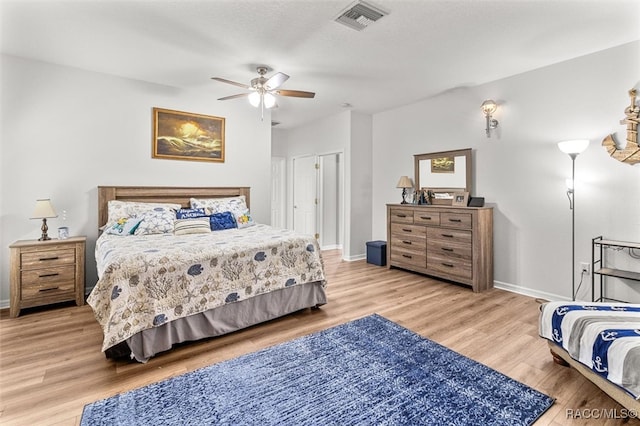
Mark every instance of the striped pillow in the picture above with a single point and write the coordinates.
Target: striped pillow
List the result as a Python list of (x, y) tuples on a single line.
[(191, 226)]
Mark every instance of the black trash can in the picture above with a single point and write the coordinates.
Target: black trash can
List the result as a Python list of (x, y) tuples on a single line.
[(377, 252)]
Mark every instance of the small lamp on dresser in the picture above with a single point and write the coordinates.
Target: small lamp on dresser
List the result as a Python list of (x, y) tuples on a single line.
[(404, 183), (44, 210)]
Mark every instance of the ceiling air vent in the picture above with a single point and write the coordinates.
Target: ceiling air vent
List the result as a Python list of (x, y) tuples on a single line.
[(360, 15)]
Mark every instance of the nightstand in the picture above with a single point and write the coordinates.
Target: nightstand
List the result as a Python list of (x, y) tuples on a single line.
[(46, 272)]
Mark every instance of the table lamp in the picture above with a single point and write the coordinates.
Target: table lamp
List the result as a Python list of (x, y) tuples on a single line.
[(44, 210)]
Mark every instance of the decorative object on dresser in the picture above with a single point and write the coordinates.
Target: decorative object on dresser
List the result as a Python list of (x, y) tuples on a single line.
[(488, 108), (430, 175), (601, 265), (46, 272), (404, 183), (573, 148), (44, 210), (460, 199), (630, 154), (453, 243)]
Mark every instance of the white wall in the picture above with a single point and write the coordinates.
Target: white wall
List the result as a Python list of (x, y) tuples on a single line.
[(521, 172), (65, 131)]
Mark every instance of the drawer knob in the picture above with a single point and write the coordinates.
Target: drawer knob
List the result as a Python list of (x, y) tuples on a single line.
[(455, 220), (448, 265), (42, 259), (48, 275), (48, 289)]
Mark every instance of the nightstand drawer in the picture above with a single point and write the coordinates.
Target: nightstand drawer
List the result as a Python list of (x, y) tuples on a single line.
[(47, 258), (49, 283)]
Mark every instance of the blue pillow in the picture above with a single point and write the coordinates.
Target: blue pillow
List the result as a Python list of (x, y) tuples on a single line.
[(220, 221), (190, 213)]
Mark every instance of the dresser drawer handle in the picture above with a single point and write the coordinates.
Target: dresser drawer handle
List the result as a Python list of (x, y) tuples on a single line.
[(448, 265), (406, 242), (447, 235), (48, 275), (401, 215), (455, 220), (447, 249), (42, 259), (406, 230), (407, 256), (48, 289), (425, 217)]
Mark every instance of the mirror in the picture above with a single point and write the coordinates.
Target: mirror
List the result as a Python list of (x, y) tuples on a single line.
[(443, 173)]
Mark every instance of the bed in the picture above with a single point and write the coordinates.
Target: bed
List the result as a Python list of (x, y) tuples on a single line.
[(157, 289), (601, 341)]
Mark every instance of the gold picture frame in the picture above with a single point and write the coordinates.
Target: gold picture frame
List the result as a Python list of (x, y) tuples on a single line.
[(460, 199), (179, 135)]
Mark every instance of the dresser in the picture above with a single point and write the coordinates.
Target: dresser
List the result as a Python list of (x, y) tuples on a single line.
[(453, 243), (45, 272)]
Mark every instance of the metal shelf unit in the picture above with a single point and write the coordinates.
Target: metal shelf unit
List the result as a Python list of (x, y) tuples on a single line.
[(598, 246)]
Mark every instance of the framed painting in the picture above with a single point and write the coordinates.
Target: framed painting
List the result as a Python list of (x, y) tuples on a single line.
[(181, 135), (443, 165)]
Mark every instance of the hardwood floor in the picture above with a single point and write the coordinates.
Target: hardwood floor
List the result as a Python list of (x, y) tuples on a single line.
[(51, 364)]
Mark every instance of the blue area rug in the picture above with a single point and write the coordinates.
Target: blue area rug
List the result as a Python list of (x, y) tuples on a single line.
[(365, 372)]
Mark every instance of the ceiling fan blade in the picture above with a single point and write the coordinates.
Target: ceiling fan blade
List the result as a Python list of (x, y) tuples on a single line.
[(276, 81), (224, 80), (241, 95), (295, 93)]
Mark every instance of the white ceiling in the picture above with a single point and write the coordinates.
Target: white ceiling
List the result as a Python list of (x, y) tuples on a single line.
[(422, 48)]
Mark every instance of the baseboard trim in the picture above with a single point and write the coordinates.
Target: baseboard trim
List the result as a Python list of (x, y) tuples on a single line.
[(529, 292)]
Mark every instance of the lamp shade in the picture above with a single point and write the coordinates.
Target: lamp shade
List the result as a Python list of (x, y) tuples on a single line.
[(404, 182), (575, 146), (269, 100), (43, 209)]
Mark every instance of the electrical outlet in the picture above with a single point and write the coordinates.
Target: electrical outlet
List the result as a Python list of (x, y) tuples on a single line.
[(585, 267)]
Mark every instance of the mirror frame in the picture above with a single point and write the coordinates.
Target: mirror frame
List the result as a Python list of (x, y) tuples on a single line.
[(431, 155)]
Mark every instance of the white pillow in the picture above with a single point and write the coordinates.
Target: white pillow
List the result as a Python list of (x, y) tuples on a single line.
[(117, 209), (235, 205), (157, 221)]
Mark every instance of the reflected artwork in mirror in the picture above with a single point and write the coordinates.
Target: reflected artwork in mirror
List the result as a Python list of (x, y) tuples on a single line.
[(443, 173)]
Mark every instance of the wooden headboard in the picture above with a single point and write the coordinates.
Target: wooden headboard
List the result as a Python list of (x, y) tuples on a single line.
[(162, 194)]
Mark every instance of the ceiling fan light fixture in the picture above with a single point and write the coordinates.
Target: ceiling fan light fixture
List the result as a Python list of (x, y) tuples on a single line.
[(269, 100), (254, 99)]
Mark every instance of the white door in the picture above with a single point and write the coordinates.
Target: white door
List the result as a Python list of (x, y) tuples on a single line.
[(278, 192), (305, 187)]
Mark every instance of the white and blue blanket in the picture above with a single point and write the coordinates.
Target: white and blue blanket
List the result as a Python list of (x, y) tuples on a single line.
[(603, 336)]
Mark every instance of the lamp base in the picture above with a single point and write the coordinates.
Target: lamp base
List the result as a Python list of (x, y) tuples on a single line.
[(44, 230)]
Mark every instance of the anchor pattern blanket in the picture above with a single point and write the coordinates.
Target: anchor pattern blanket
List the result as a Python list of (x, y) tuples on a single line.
[(146, 281), (603, 336)]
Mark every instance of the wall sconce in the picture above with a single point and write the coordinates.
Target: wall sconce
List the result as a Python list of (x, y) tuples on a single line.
[(488, 108), (44, 210), (573, 148), (404, 183)]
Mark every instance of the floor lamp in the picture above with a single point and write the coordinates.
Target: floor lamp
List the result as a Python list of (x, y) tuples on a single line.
[(573, 148)]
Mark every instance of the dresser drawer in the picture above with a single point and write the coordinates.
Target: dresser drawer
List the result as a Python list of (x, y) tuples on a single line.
[(48, 282), (47, 258), (408, 230), (426, 218), (448, 235), (456, 267), (408, 257), (449, 249), (409, 243), (456, 220), (399, 215)]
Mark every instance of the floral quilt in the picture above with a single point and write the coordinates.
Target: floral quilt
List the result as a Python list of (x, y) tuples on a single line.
[(146, 281)]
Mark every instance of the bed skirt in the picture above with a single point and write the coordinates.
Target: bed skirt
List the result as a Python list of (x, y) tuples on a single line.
[(222, 320)]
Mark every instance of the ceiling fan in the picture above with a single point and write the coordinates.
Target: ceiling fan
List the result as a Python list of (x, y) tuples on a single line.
[(263, 89)]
